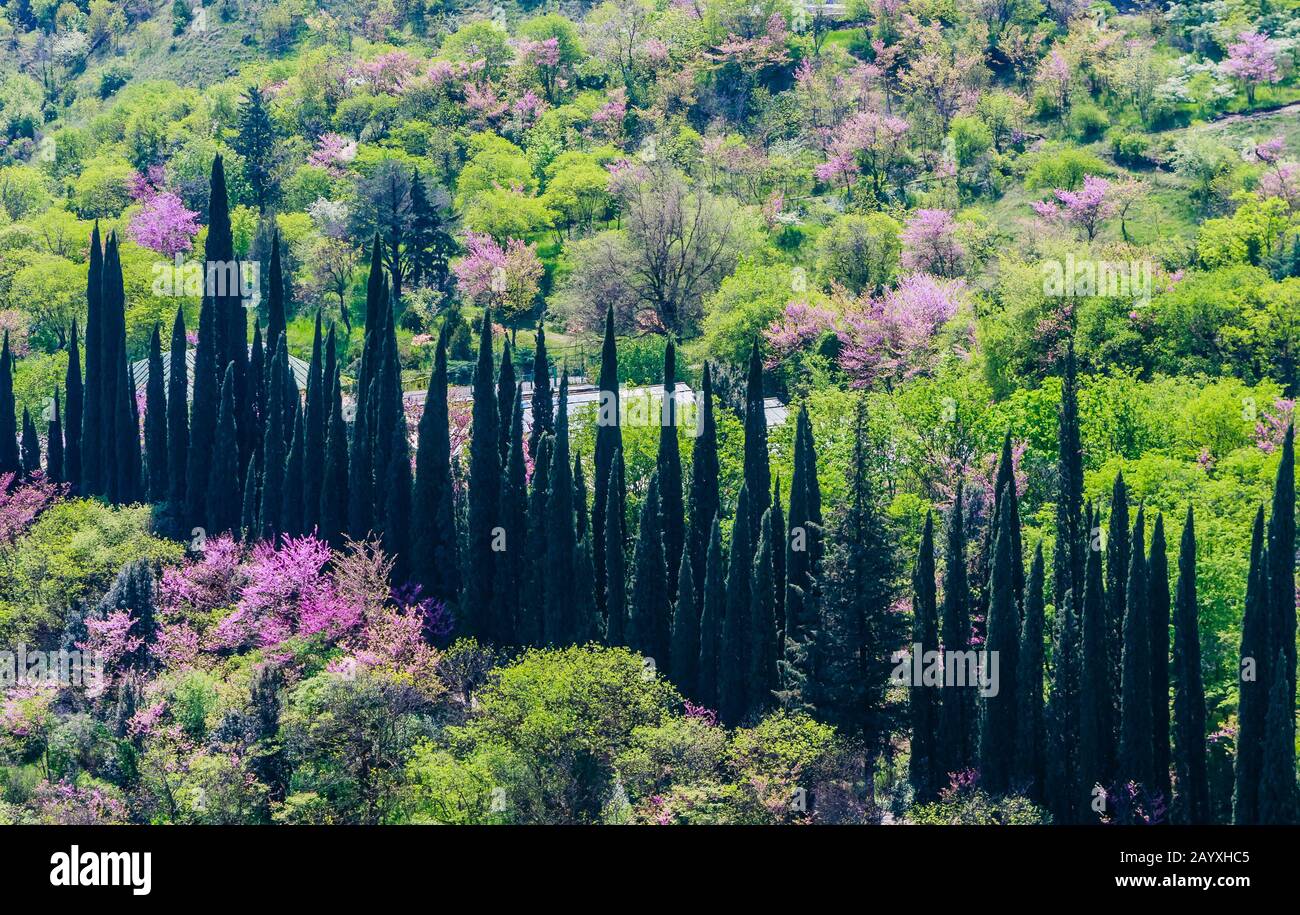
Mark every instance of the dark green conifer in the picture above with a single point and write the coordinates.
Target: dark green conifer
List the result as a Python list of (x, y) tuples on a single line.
[(155, 421), (434, 530), (1252, 682), (1067, 796), (758, 471), (92, 435), (669, 464), (273, 449), (31, 445), (1136, 762), (712, 606), (543, 404), (54, 470), (1277, 788), (685, 650), (609, 439), (1097, 719), (291, 503), (505, 400), (334, 484), (222, 500), (704, 495), (648, 604), (178, 420), (561, 535), (1191, 803), (203, 415), (763, 674), (1118, 551), (733, 658), (957, 708), (485, 490), (1158, 601), (1029, 773), (997, 743), (923, 698), (314, 432), (11, 459), (249, 525), (72, 415), (616, 621), (530, 623)]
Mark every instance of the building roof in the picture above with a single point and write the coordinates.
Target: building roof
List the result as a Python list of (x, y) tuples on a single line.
[(140, 371)]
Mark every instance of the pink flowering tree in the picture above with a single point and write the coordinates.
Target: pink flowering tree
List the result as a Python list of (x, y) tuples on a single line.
[(334, 153), (507, 279), (869, 144), (163, 224), (930, 244), (895, 337), (799, 325), (1252, 58), (1085, 209), (20, 505)]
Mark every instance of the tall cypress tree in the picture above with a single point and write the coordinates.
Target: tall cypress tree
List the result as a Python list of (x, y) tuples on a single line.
[(113, 397), (485, 488), (1031, 728), (704, 496), (733, 658), (1136, 763), (1006, 486), (530, 623), (396, 530), (1158, 606), (1070, 536), (780, 534), (803, 537), (505, 400), (314, 431), (616, 621), (11, 460), (1252, 682), (587, 617), (249, 524), (222, 488), (31, 445), (758, 471), (203, 414), (648, 606), (72, 413), (669, 465), (230, 324), (1192, 799), (561, 535), (1065, 792), (92, 440), (543, 404), (1281, 574), (685, 649), (259, 374), (334, 484), (763, 675), (1097, 721), (1277, 788), (1118, 551), (275, 315), (291, 498), (923, 703), (957, 711), (997, 743), (609, 439), (434, 533), (127, 432), (54, 469), (155, 421), (514, 519), (712, 606), (273, 449), (178, 421)]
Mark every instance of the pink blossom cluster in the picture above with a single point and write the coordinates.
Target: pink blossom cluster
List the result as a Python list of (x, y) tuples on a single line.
[(930, 244), (892, 338), (21, 504)]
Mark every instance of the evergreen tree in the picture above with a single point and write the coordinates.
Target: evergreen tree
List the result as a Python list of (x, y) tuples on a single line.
[(585, 612), (543, 404), (430, 245), (434, 531), (114, 400), (758, 471), (705, 499), (712, 607), (273, 449), (1069, 559), (1281, 573), (669, 465), (1118, 551), (249, 524), (178, 423), (334, 484), (255, 144), (923, 703), (648, 605), (733, 656), (510, 582), (127, 431), (1136, 763), (276, 321), (609, 439), (291, 498), (1158, 601), (92, 436), (1192, 799), (54, 470), (685, 649), (259, 376), (505, 401), (957, 709), (763, 674), (11, 460), (203, 415), (561, 535), (804, 531), (997, 743), (1277, 786), (396, 528), (1252, 682), (155, 421), (1005, 485), (1066, 794), (580, 499), (1031, 728), (221, 491), (780, 535), (314, 432), (31, 446), (485, 490), (73, 413), (230, 320), (1097, 720), (530, 624)]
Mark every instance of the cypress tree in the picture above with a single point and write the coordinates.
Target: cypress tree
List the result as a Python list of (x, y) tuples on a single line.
[(1277, 771), (1281, 573), (1252, 682), (259, 376), (1097, 727), (31, 446), (923, 771), (712, 607), (530, 624), (112, 365), (155, 421), (1031, 728), (273, 449), (1006, 486), (1065, 792), (758, 471), (957, 708), (780, 536), (92, 440), (997, 743), (1136, 763), (249, 525), (1192, 800), (585, 612), (127, 432), (561, 536), (361, 481), (396, 530), (733, 657), (1069, 560), (291, 497), (510, 582), (580, 499), (203, 414), (616, 612), (705, 498), (388, 410), (669, 465), (11, 460), (1118, 551), (314, 431), (223, 503), (178, 423), (802, 538), (73, 413), (648, 606), (505, 400), (685, 650), (763, 674), (1158, 601), (334, 484), (275, 315), (54, 469), (543, 405), (609, 439), (434, 532), (485, 489)]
